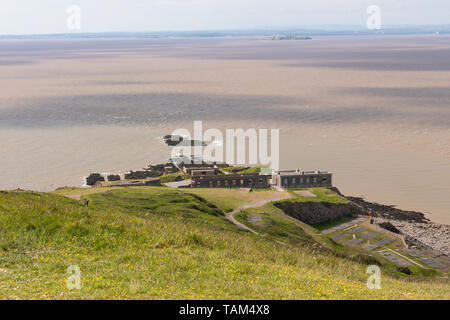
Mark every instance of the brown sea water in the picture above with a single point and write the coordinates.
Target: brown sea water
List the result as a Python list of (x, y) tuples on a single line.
[(374, 110)]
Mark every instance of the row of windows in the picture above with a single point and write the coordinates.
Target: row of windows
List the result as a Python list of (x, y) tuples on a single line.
[(232, 182), (302, 180)]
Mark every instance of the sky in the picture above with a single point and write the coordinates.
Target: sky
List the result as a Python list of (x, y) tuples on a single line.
[(51, 16)]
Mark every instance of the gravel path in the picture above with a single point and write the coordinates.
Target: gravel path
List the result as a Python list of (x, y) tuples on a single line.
[(230, 215)]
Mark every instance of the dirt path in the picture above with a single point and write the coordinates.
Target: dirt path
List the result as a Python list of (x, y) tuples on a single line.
[(230, 215)]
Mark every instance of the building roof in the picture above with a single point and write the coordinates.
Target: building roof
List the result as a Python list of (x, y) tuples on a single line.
[(196, 165), (232, 176), (203, 169), (300, 173)]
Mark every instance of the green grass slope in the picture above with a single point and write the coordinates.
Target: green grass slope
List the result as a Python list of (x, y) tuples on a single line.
[(171, 177), (162, 243)]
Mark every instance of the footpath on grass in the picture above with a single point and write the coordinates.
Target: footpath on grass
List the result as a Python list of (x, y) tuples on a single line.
[(230, 215)]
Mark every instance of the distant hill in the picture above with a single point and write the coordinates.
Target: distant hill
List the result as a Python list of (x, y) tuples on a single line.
[(323, 30)]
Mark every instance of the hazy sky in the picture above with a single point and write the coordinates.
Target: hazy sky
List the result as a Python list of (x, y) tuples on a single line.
[(49, 16)]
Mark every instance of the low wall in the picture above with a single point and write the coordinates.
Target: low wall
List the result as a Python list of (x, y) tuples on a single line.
[(314, 213)]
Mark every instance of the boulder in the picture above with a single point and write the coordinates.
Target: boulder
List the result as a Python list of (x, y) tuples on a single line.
[(389, 226), (113, 177), (136, 175), (93, 178)]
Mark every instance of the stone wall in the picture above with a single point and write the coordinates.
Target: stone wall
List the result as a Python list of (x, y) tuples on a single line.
[(315, 213)]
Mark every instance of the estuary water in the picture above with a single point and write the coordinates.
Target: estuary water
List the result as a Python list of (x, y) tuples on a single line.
[(373, 110)]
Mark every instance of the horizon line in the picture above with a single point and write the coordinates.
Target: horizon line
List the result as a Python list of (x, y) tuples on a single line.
[(312, 28)]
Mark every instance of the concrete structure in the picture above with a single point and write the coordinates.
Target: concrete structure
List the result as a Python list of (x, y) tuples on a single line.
[(190, 170), (169, 169), (154, 171), (302, 179), (203, 172), (143, 183), (179, 184), (187, 167), (220, 165), (250, 180)]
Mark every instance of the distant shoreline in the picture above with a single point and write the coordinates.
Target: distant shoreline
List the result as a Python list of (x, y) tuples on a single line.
[(354, 30)]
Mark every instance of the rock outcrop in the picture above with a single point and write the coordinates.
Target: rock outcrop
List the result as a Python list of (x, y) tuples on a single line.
[(314, 213), (93, 178), (136, 175), (113, 177), (426, 235), (417, 230), (389, 226), (388, 212), (152, 171)]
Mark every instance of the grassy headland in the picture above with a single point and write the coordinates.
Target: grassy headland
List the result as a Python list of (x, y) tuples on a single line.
[(162, 243)]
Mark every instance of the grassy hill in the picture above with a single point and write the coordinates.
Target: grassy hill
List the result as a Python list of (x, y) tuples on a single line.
[(162, 243)]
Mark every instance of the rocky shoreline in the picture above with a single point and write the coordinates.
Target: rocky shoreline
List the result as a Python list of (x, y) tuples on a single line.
[(426, 235), (416, 228)]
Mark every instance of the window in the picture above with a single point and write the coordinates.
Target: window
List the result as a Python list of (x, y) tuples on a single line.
[(260, 180), (219, 183), (293, 181), (285, 181), (307, 180), (315, 179)]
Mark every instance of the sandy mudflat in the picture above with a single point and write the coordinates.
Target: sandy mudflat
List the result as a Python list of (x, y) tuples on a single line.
[(374, 110)]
